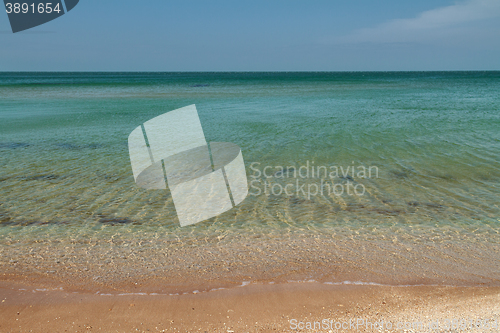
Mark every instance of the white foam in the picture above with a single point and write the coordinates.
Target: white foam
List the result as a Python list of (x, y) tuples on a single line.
[(362, 283), (247, 283)]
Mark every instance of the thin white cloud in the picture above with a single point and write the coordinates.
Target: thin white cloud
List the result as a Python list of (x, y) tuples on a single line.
[(427, 25)]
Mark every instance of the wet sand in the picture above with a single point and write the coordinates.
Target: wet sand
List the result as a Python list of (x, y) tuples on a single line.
[(35, 307), (249, 286), (158, 266)]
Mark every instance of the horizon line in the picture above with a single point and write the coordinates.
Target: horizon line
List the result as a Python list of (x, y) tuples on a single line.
[(338, 71)]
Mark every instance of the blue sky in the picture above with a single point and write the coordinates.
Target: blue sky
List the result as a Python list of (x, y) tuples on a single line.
[(270, 35)]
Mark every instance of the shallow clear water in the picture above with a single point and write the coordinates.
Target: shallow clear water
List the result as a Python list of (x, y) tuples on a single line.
[(433, 139)]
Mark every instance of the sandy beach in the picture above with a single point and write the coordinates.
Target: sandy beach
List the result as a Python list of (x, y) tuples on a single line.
[(253, 308), (306, 284)]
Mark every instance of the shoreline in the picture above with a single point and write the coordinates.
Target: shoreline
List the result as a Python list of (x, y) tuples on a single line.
[(118, 268), (252, 308)]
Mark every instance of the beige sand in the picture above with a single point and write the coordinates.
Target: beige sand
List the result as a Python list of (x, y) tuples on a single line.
[(252, 308)]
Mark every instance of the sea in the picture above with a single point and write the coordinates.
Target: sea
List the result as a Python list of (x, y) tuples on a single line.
[(354, 177)]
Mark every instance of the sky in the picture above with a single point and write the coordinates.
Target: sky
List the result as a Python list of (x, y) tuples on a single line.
[(268, 35)]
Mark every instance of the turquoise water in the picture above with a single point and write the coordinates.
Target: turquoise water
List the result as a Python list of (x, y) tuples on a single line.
[(433, 137)]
